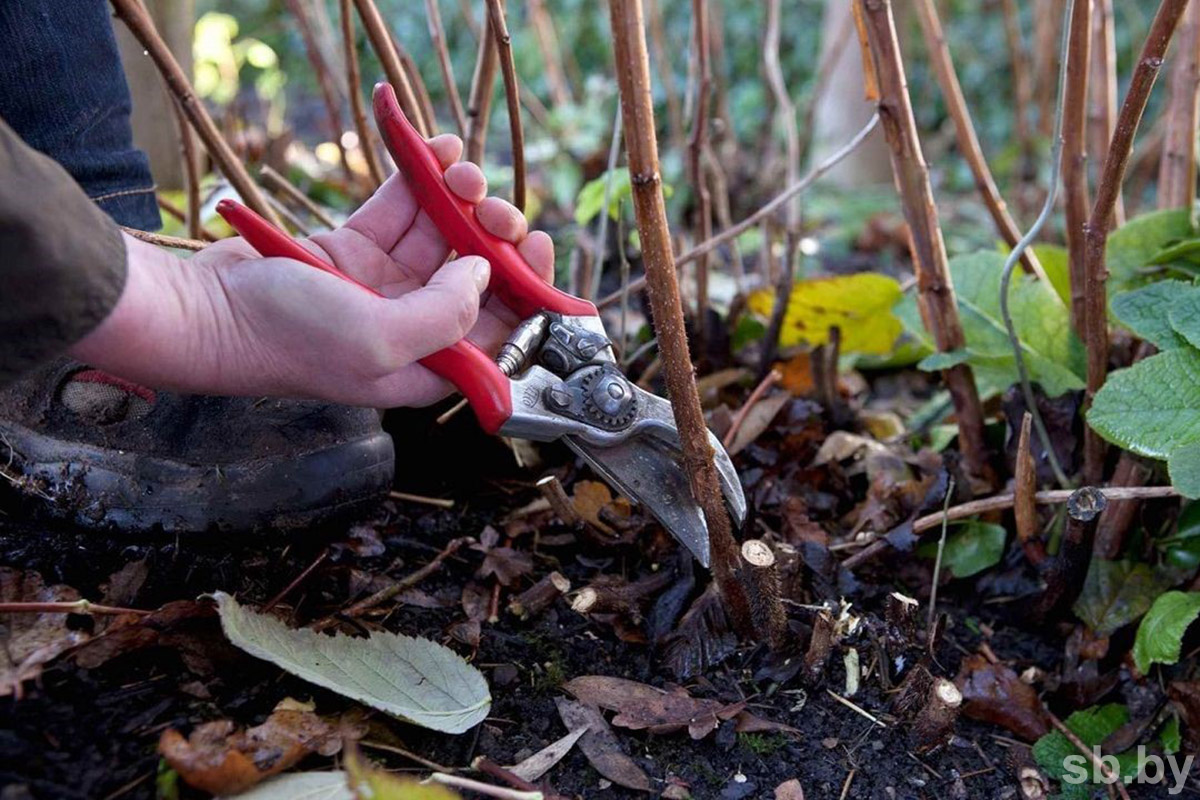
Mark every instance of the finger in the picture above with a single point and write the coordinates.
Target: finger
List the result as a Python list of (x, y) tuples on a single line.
[(411, 386), (386, 216), (466, 180), (501, 218), (438, 314), (538, 251), (447, 147)]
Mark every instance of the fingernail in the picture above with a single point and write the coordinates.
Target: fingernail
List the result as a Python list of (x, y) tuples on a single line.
[(481, 272)]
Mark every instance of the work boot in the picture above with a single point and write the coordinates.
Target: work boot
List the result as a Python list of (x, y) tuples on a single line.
[(103, 452)]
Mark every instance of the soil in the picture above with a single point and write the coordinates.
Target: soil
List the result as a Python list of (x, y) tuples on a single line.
[(93, 733)]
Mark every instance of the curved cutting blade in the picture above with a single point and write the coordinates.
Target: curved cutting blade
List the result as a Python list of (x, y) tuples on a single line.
[(648, 470)]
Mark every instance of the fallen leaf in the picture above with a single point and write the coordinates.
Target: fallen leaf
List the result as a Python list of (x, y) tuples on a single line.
[(543, 760), (757, 420), (122, 587), (220, 759), (415, 679), (299, 786), (860, 305), (30, 641), (128, 633), (797, 374), (592, 497), (994, 693), (640, 706), (600, 745), (789, 790), (702, 638), (1185, 697), (368, 783), (506, 563)]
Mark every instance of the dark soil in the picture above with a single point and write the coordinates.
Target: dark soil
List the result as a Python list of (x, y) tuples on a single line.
[(93, 733)]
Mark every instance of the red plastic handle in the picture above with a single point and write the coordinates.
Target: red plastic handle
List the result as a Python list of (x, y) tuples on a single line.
[(517, 285), (470, 369)]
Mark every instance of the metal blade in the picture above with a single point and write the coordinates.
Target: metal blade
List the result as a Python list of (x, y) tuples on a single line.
[(647, 470)]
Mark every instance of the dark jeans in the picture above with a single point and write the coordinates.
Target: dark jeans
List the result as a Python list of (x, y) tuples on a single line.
[(63, 91)]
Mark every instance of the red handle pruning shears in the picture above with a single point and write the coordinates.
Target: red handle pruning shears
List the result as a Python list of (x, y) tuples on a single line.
[(556, 377), (471, 370)]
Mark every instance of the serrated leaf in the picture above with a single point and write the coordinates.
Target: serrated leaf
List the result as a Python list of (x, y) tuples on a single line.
[(374, 784), (591, 197), (1184, 466), (1183, 312), (299, 786), (1052, 352), (1139, 242), (1160, 636), (415, 679), (859, 305), (1170, 736), (1092, 726), (1153, 406), (972, 548), (1141, 310), (1115, 594)]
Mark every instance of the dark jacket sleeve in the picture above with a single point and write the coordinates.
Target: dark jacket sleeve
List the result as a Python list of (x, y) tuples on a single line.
[(62, 259)]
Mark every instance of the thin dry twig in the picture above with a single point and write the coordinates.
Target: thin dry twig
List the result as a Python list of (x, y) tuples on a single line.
[(276, 182), (1022, 88), (1109, 189), (697, 145), (937, 564), (1001, 502), (191, 172), (758, 216), (479, 101), (296, 581), (968, 140), (939, 307), (437, 34), (773, 377), (390, 591), (1102, 106), (1109, 777), (366, 134), (1074, 163), (163, 240), (135, 17), (422, 499), (1177, 169), (512, 94), (642, 147), (393, 67), (73, 607), (329, 96)]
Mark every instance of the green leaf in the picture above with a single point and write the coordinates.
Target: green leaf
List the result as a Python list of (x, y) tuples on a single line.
[(1092, 726), (1139, 242), (1142, 312), (1184, 466), (1053, 354), (591, 197), (1183, 549), (1115, 594), (1056, 263), (1172, 740), (1184, 314), (1160, 636), (299, 786), (970, 549), (1152, 407), (376, 784), (415, 679)]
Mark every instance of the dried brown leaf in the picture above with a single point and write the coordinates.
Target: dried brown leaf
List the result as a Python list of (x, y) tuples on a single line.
[(219, 759), (640, 706), (122, 587), (29, 641), (994, 693), (600, 745), (789, 790)]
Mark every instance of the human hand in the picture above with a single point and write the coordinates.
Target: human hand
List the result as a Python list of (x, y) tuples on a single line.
[(227, 321)]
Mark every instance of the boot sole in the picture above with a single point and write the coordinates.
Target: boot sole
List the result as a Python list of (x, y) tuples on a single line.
[(102, 488)]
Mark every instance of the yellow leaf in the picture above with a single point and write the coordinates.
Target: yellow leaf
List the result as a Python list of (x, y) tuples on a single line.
[(368, 783), (859, 305)]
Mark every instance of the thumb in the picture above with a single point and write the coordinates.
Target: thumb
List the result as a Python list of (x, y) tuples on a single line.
[(438, 314)]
